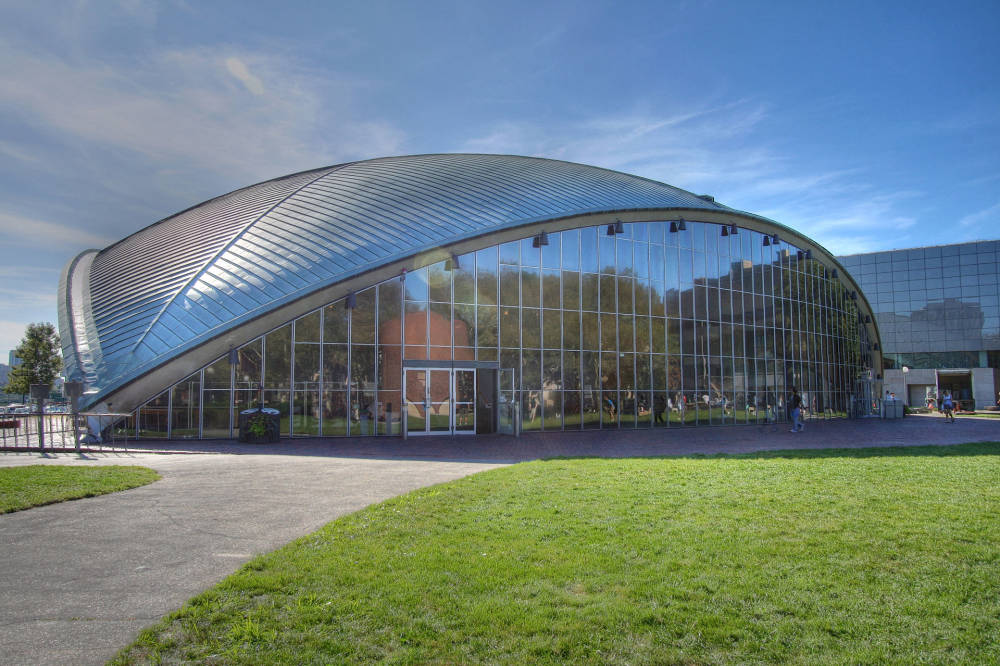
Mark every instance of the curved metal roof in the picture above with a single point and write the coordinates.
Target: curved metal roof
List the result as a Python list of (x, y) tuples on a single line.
[(193, 276)]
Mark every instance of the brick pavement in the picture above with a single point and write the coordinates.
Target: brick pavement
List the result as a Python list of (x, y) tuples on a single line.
[(838, 433)]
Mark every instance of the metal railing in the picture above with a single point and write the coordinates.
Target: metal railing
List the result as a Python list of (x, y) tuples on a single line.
[(85, 431)]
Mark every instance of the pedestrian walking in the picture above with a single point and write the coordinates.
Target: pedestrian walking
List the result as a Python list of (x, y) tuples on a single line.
[(947, 406), (795, 408)]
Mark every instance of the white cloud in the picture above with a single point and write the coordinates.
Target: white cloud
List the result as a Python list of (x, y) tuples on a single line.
[(975, 219), (11, 334), (16, 152), (17, 230), (240, 71), (689, 148), (189, 109), (27, 294), (715, 150)]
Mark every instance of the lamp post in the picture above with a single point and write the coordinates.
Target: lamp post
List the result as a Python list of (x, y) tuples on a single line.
[(906, 399)]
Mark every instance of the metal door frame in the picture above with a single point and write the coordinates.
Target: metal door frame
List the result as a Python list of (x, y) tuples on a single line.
[(452, 430)]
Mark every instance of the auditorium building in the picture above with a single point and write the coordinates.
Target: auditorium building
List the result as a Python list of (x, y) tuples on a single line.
[(463, 294)]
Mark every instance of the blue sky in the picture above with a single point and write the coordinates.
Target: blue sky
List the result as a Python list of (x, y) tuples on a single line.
[(866, 125)]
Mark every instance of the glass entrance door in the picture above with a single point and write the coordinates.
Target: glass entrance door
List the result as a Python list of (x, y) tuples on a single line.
[(440, 400)]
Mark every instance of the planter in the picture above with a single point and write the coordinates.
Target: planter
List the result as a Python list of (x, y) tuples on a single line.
[(260, 426)]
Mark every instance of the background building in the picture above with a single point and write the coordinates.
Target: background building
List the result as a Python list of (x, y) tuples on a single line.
[(459, 293), (938, 310)]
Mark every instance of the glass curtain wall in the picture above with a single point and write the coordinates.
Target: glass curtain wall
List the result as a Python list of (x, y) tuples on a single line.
[(649, 327)]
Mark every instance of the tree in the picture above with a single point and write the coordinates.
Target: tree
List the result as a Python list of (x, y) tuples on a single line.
[(39, 356)]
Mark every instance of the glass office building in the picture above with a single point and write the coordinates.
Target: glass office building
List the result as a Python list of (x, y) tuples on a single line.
[(465, 294), (938, 310)]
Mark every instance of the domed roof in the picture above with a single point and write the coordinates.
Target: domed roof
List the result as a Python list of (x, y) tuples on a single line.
[(195, 275)]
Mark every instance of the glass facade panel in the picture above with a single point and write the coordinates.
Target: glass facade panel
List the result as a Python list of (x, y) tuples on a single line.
[(153, 417), (648, 328), (185, 408), (216, 406)]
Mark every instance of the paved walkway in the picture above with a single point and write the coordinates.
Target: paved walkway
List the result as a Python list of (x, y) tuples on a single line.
[(913, 430), (80, 579)]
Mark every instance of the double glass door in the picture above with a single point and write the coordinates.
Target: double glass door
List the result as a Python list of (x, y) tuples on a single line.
[(440, 400)]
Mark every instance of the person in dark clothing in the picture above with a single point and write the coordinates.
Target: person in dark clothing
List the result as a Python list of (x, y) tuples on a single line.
[(795, 410), (659, 407)]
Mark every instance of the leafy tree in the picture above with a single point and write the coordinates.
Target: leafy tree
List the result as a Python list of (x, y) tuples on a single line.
[(40, 359)]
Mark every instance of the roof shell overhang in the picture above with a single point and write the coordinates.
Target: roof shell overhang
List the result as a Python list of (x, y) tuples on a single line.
[(163, 302)]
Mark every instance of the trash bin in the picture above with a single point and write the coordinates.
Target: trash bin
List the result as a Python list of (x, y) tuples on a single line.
[(260, 425), (892, 409)]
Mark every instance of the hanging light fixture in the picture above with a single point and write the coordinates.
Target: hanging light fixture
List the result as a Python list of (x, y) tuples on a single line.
[(350, 302), (725, 232), (767, 240), (540, 240), (808, 254), (611, 229), (452, 264), (673, 227), (733, 230), (681, 226), (775, 240), (619, 227)]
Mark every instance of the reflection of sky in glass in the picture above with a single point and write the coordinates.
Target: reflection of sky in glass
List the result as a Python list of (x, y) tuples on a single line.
[(936, 299)]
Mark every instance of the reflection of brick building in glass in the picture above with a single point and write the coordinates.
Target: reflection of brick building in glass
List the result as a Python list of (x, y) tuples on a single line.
[(429, 335)]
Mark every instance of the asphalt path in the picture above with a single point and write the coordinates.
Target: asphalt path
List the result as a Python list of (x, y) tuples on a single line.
[(80, 579)]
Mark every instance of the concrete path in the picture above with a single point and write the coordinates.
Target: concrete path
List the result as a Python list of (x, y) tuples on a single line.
[(80, 579)]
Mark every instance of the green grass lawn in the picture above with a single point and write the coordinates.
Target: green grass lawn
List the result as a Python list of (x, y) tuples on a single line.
[(35, 485), (842, 556)]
